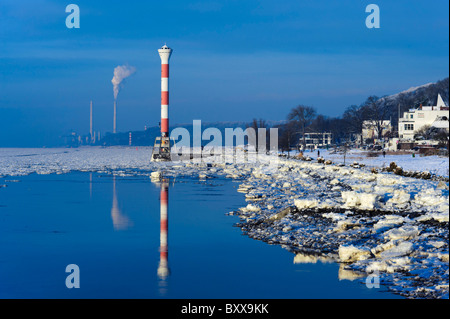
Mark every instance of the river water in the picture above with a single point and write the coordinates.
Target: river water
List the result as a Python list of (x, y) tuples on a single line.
[(133, 238)]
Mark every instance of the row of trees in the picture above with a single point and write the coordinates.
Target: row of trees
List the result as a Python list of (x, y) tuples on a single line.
[(303, 119)]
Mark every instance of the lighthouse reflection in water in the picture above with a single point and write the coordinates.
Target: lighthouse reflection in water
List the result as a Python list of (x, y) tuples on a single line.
[(163, 268), (122, 222)]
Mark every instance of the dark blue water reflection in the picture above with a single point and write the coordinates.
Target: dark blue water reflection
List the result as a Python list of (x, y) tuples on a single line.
[(113, 228)]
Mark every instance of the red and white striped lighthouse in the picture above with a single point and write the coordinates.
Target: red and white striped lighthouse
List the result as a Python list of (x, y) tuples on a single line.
[(165, 53), (163, 268), (161, 148)]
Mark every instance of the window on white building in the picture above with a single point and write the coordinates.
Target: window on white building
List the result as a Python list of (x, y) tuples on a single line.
[(409, 127)]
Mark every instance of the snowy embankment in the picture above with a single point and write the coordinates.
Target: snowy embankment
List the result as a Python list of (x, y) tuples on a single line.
[(436, 165), (379, 224)]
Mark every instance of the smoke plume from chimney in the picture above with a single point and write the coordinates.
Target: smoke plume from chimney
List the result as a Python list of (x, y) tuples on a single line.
[(121, 72)]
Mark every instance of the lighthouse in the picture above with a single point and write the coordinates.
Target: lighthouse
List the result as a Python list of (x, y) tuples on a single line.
[(161, 149)]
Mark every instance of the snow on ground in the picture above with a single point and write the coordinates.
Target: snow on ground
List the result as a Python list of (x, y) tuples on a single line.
[(437, 165), (382, 224)]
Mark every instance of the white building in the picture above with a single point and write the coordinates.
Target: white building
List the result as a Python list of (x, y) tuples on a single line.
[(415, 119), (315, 140)]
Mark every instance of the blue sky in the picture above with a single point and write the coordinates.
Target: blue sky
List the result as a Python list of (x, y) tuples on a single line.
[(232, 60)]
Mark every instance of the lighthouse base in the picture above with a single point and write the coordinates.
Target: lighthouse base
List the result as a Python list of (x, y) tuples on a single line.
[(161, 149)]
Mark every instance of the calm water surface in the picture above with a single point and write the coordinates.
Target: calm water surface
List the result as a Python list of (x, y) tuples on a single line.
[(114, 229)]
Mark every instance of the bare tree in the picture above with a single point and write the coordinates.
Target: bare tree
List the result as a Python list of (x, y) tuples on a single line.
[(354, 117), (320, 124), (424, 133), (302, 116), (285, 136), (377, 112)]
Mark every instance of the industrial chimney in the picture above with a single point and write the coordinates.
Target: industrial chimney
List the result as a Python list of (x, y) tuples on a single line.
[(115, 116)]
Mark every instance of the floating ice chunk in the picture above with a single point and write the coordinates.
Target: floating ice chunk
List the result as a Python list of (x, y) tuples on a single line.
[(360, 200), (328, 204), (400, 198), (389, 265), (287, 185), (440, 217), (334, 182), (243, 188), (437, 244), (385, 246), (283, 213), (306, 203), (367, 188), (377, 266), (443, 208), (401, 261), (430, 197), (352, 253), (258, 174), (389, 221), (442, 185), (334, 216), (402, 249), (405, 232), (284, 168), (369, 178), (251, 208), (252, 196), (443, 257), (387, 180)]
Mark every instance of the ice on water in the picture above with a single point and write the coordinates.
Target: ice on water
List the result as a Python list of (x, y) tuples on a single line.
[(393, 225)]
